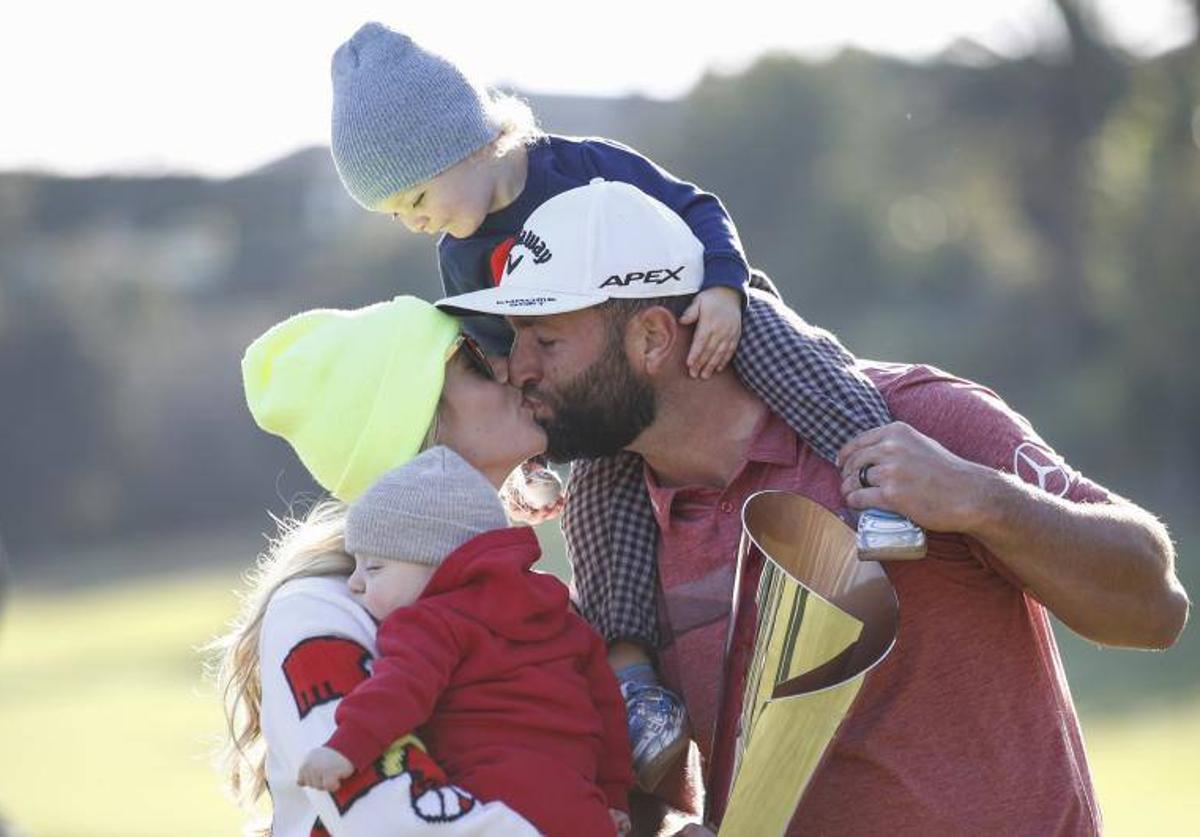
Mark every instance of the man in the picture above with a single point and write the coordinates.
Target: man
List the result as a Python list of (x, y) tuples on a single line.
[(968, 726)]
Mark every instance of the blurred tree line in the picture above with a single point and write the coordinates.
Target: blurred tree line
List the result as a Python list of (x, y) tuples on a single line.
[(1033, 224)]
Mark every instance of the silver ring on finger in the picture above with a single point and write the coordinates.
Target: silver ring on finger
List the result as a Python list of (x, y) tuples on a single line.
[(864, 476)]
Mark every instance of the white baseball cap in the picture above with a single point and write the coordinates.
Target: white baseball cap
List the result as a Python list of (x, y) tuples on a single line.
[(606, 240)]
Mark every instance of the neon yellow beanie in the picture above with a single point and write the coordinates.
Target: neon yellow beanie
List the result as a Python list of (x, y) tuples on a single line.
[(354, 392)]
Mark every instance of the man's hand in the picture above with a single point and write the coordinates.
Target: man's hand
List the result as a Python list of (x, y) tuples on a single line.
[(1107, 570), (717, 313), (324, 769), (913, 475)]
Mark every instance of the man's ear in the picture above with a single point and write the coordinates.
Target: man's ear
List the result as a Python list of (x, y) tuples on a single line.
[(651, 339)]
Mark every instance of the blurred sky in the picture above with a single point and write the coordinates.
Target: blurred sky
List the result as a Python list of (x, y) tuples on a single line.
[(220, 86)]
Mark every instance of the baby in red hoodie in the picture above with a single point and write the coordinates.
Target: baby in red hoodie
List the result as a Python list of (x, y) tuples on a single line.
[(512, 691)]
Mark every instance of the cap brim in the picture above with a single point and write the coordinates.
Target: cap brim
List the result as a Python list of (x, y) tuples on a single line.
[(518, 302)]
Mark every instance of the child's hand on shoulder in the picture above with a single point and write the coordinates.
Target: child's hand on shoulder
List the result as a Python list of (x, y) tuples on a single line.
[(717, 313), (324, 769), (620, 821)]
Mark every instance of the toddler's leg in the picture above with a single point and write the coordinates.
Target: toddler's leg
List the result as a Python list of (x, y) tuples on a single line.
[(612, 540), (806, 376)]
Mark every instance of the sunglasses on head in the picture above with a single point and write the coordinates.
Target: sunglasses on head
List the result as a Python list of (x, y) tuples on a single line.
[(474, 355)]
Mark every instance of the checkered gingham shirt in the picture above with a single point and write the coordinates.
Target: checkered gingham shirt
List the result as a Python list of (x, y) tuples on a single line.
[(801, 372)]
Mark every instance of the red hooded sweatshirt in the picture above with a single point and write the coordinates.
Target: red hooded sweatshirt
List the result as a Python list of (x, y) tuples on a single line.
[(515, 693)]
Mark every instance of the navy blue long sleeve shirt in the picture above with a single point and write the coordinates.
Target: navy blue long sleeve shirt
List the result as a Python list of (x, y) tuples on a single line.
[(556, 164)]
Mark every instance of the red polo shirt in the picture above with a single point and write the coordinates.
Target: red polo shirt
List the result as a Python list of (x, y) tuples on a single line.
[(968, 726)]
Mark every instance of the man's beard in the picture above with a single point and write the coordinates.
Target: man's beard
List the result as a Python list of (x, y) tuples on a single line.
[(599, 412)]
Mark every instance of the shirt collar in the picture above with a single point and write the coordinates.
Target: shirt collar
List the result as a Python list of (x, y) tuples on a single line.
[(774, 443)]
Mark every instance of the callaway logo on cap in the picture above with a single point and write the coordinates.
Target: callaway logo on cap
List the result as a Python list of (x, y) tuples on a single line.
[(528, 240), (605, 240)]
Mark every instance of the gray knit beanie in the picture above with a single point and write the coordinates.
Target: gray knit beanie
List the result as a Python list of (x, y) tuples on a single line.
[(424, 510), (401, 114)]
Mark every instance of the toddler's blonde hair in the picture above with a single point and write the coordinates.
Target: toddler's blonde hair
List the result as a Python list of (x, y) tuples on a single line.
[(518, 125)]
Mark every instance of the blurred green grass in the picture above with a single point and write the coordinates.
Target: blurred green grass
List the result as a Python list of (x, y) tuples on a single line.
[(106, 724)]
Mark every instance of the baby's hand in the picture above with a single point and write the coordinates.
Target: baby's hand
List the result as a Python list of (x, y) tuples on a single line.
[(323, 769), (717, 313), (620, 821), (532, 494)]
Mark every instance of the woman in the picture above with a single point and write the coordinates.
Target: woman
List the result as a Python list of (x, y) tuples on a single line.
[(403, 377)]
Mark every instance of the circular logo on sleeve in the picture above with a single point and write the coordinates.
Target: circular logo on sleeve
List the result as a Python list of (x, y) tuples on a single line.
[(1038, 466)]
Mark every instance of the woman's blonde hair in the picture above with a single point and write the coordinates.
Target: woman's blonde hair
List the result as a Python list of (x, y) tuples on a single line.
[(306, 546)]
